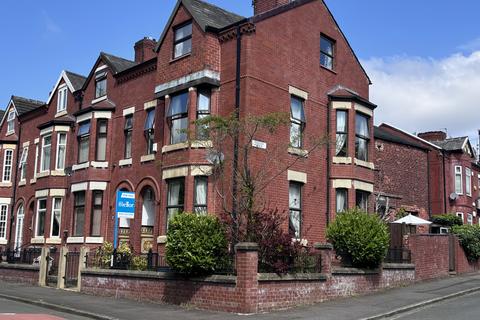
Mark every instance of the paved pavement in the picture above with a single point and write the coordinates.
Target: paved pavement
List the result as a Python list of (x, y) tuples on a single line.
[(21, 311), (365, 307), (461, 308)]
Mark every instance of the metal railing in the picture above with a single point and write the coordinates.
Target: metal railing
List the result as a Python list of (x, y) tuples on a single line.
[(311, 263), (21, 255), (398, 255), (150, 261)]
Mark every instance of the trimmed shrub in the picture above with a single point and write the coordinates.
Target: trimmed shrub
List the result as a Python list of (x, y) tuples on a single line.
[(196, 244), (447, 220), (359, 238), (469, 237)]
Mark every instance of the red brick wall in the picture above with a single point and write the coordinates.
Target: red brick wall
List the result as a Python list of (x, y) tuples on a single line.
[(430, 255), (15, 273), (462, 263)]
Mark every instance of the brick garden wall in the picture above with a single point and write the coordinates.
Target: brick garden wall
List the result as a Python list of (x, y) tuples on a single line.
[(19, 273), (430, 255), (461, 261)]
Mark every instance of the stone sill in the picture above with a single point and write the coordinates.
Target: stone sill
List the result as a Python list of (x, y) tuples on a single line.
[(58, 173), (43, 174), (361, 163), (354, 271), (37, 240), (273, 277), (99, 164), (80, 166), (162, 239), (99, 99), (174, 147), (5, 265), (125, 162), (298, 152), (22, 183), (147, 158), (5, 184), (94, 240), (159, 275), (342, 160), (75, 240), (401, 266), (3, 241), (61, 113), (53, 241)]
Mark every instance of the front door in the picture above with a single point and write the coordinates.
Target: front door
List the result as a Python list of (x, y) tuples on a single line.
[(19, 230)]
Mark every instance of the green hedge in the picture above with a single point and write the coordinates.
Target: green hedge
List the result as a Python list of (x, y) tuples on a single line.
[(469, 237), (359, 238), (447, 220), (196, 244)]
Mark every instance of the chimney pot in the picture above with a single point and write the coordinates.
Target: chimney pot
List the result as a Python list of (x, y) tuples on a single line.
[(145, 49)]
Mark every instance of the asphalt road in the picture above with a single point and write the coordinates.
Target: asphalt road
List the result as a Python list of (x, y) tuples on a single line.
[(466, 307), (19, 311)]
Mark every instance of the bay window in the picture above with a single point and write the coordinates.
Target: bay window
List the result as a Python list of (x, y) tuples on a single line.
[(295, 204), (83, 137), (342, 134), (361, 200), (40, 221), (341, 200), (468, 182), (297, 122), (178, 118), (3, 221), (149, 130), (203, 111), (200, 196), (101, 145), (46, 153), (183, 40), (7, 165), (97, 204), (175, 197), (362, 137), (78, 213), (61, 151), (56, 217), (127, 130), (458, 180)]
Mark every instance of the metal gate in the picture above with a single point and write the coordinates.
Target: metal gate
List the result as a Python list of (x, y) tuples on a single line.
[(452, 241), (53, 258), (72, 260)]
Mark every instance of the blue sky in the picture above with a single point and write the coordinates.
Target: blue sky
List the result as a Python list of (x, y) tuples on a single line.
[(41, 38)]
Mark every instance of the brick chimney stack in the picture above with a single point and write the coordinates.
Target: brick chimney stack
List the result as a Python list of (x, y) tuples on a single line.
[(261, 6), (433, 135), (144, 49)]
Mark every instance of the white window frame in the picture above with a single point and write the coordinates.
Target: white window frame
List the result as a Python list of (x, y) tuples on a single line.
[(468, 182), (10, 122), (23, 164), (460, 214), (5, 166), (62, 99), (470, 219), (35, 171), (37, 214), (53, 215), (458, 171), (58, 149), (42, 155), (2, 207)]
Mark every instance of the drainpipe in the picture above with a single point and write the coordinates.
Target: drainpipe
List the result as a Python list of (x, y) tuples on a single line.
[(428, 186), (236, 137), (328, 165), (444, 184), (14, 195)]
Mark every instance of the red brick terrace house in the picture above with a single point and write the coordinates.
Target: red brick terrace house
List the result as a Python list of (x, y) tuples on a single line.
[(119, 128)]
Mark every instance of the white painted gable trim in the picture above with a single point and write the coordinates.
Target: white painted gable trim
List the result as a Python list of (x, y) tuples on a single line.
[(63, 76)]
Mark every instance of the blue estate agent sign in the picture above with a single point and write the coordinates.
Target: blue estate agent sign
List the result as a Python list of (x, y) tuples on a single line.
[(125, 207)]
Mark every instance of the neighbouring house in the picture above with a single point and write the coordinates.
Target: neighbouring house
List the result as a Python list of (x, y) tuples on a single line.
[(122, 127)]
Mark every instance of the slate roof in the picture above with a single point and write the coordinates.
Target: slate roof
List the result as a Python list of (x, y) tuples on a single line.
[(205, 14), (451, 144), (24, 105), (2, 113), (342, 93), (76, 80), (117, 64), (386, 135)]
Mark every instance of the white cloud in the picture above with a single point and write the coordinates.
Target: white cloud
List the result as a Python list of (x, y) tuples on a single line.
[(423, 94), (50, 26)]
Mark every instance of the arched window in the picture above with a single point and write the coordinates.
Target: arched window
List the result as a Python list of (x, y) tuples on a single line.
[(124, 223), (148, 207), (19, 227)]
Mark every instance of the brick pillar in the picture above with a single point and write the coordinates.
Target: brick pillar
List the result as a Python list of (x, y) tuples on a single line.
[(326, 251), (82, 261), (247, 276)]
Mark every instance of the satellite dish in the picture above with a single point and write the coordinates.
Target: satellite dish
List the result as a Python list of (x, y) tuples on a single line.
[(68, 171), (453, 196), (215, 157)]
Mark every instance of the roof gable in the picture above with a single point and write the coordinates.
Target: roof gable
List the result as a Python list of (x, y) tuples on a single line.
[(205, 15), (21, 106), (74, 83), (412, 136)]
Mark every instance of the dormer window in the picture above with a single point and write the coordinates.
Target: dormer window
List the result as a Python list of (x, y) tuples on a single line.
[(11, 122), (183, 40), (62, 99), (100, 85)]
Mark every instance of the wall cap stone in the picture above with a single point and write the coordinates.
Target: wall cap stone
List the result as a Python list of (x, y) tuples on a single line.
[(4, 265), (273, 277), (323, 246), (401, 266), (246, 246), (353, 271)]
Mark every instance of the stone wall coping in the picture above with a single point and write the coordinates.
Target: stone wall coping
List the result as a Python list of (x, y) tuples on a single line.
[(273, 277), (4, 265), (353, 271), (159, 275), (246, 246), (323, 246), (401, 266)]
